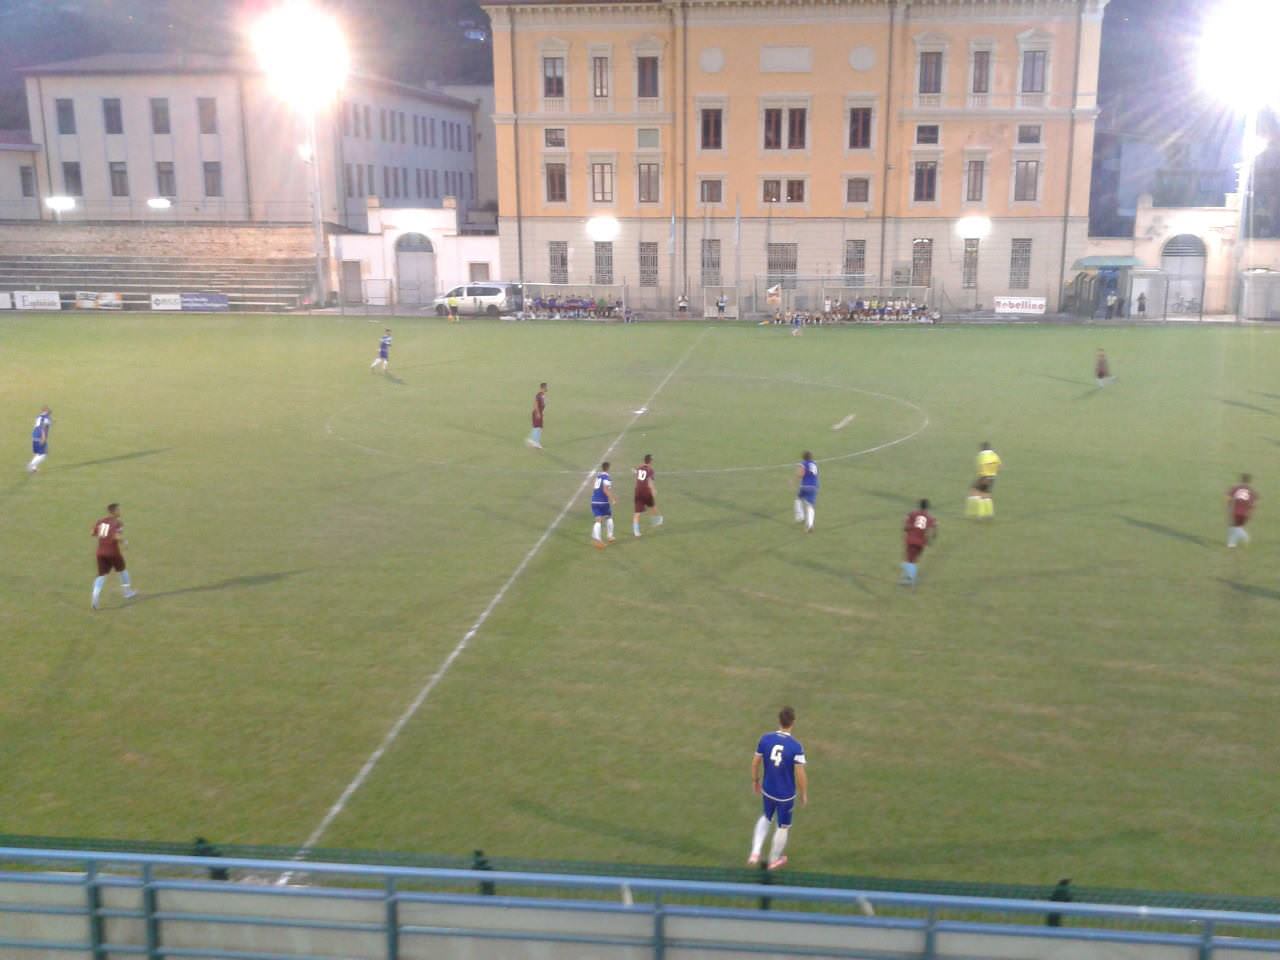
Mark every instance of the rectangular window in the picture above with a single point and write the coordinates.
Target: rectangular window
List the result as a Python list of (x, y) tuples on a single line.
[(386, 182), (969, 271), (71, 182), (650, 183), (368, 180), (975, 180), (931, 72), (553, 77), (710, 191), (112, 118), (604, 262), (857, 190), (648, 138), (557, 187), (855, 262), (346, 120), (712, 129), (431, 131), (1033, 70), (66, 116), (921, 262), (558, 255), (469, 139), (167, 181), (795, 191), (981, 71), (1026, 180), (382, 124), (207, 107), (600, 78), (859, 128), (773, 128), (118, 174), (647, 77), (404, 182), (927, 133), (360, 181), (368, 125), (355, 120), (711, 276), (772, 191), (417, 130), (602, 183), (212, 178), (160, 115), (417, 178), (553, 137), (402, 136), (350, 179), (781, 264), (797, 123), (1020, 265), (926, 182), (1028, 133), (648, 263), (435, 182), (27, 177)]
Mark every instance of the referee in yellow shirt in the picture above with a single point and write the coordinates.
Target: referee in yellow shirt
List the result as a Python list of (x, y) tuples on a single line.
[(980, 504)]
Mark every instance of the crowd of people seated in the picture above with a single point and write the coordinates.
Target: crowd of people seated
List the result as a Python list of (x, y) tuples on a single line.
[(871, 310), (574, 308)]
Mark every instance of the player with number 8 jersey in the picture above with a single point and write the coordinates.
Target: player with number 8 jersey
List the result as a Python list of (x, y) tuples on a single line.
[(920, 529), (778, 774)]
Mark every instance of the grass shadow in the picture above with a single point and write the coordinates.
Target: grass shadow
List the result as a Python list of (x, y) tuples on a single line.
[(1164, 531), (644, 837), (1249, 406), (1078, 383), (231, 583), (1248, 589), (119, 458)]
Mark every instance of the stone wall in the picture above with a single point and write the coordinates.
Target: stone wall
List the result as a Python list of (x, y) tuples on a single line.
[(155, 240)]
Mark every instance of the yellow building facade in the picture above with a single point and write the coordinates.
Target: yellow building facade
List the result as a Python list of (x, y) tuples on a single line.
[(820, 147)]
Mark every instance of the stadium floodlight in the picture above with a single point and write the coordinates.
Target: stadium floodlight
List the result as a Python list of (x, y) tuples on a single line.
[(603, 228), (159, 203), (60, 204), (973, 228), (303, 54)]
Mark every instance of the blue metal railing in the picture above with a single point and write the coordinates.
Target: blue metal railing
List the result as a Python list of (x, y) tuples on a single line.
[(150, 888)]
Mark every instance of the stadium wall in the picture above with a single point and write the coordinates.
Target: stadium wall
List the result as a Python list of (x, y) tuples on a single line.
[(131, 239)]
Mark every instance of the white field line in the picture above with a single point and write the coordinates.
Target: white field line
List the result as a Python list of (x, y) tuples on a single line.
[(416, 704), (844, 423)]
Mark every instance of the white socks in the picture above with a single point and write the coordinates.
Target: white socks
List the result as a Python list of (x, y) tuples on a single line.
[(808, 516), (799, 510), (779, 843), (757, 837), (38, 459), (1236, 535), (608, 527), (595, 530)]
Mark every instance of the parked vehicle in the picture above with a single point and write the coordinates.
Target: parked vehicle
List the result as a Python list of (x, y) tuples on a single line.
[(490, 299)]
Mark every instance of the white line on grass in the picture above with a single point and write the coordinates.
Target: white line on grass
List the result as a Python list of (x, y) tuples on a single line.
[(398, 727), (844, 423)]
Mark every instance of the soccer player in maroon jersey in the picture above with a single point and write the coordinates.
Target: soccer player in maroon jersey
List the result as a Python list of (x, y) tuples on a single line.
[(539, 405), (1101, 369), (920, 529), (1241, 499), (109, 532), (645, 495)]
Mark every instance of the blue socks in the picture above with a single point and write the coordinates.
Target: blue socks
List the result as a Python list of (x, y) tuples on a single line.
[(909, 573), (536, 435), (97, 589), (124, 580)]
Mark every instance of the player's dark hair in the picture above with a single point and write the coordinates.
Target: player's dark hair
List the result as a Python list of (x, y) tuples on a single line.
[(543, 385), (605, 466), (807, 455), (986, 445), (648, 458), (786, 717), (112, 507), (924, 504), (1246, 478)]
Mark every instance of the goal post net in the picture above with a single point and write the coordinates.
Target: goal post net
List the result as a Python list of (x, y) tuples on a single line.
[(716, 298), (575, 301)]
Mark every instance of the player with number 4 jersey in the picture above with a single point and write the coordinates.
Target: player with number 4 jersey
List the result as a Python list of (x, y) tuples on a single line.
[(778, 775), (645, 495)]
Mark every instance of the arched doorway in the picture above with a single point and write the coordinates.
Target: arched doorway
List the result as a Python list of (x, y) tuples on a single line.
[(1183, 261), (415, 269)]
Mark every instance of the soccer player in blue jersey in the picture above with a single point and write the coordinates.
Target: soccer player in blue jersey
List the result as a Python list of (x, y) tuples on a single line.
[(602, 501), (778, 775), (40, 439), (384, 353), (807, 493)]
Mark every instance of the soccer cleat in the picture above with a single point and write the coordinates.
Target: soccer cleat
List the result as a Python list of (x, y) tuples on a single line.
[(131, 594), (598, 544), (657, 521), (779, 863), (613, 539), (753, 860)]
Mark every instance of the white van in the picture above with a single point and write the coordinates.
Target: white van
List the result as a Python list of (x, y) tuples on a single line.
[(491, 299)]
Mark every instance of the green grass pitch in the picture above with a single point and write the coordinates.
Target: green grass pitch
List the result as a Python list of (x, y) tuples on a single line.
[(1085, 687)]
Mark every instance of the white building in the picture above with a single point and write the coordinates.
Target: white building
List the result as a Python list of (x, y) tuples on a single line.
[(205, 133), (18, 156)]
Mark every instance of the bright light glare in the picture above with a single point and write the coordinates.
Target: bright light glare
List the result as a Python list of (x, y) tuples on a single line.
[(603, 229), (973, 228), (60, 204), (159, 203), (303, 53), (1238, 56)]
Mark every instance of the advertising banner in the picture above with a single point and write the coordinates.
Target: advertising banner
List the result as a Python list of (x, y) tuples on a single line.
[(37, 300), (6, 301), (205, 301), (99, 301), (166, 301), (1020, 305)]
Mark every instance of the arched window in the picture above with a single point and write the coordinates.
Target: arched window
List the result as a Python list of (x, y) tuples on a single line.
[(413, 243)]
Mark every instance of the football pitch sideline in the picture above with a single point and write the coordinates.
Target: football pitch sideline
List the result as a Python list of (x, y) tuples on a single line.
[(338, 567)]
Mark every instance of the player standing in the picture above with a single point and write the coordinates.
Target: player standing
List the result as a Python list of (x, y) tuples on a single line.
[(1241, 499), (40, 439), (807, 493), (602, 501), (645, 496), (1101, 369), (539, 405), (980, 503), (109, 532), (384, 353), (920, 529), (778, 775)]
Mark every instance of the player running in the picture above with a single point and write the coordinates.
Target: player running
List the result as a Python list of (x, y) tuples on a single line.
[(40, 439), (602, 501), (778, 775), (920, 529), (384, 353), (539, 406), (807, 493), (109, 532), (1241, 499), (1101, 369), (645, 495), (980, 503)]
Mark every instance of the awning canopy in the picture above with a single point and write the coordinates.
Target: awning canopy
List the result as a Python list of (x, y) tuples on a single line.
[(1097, 263)]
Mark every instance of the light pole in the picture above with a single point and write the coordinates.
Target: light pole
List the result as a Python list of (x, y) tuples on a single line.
[(1237, 56), (303, 54)]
